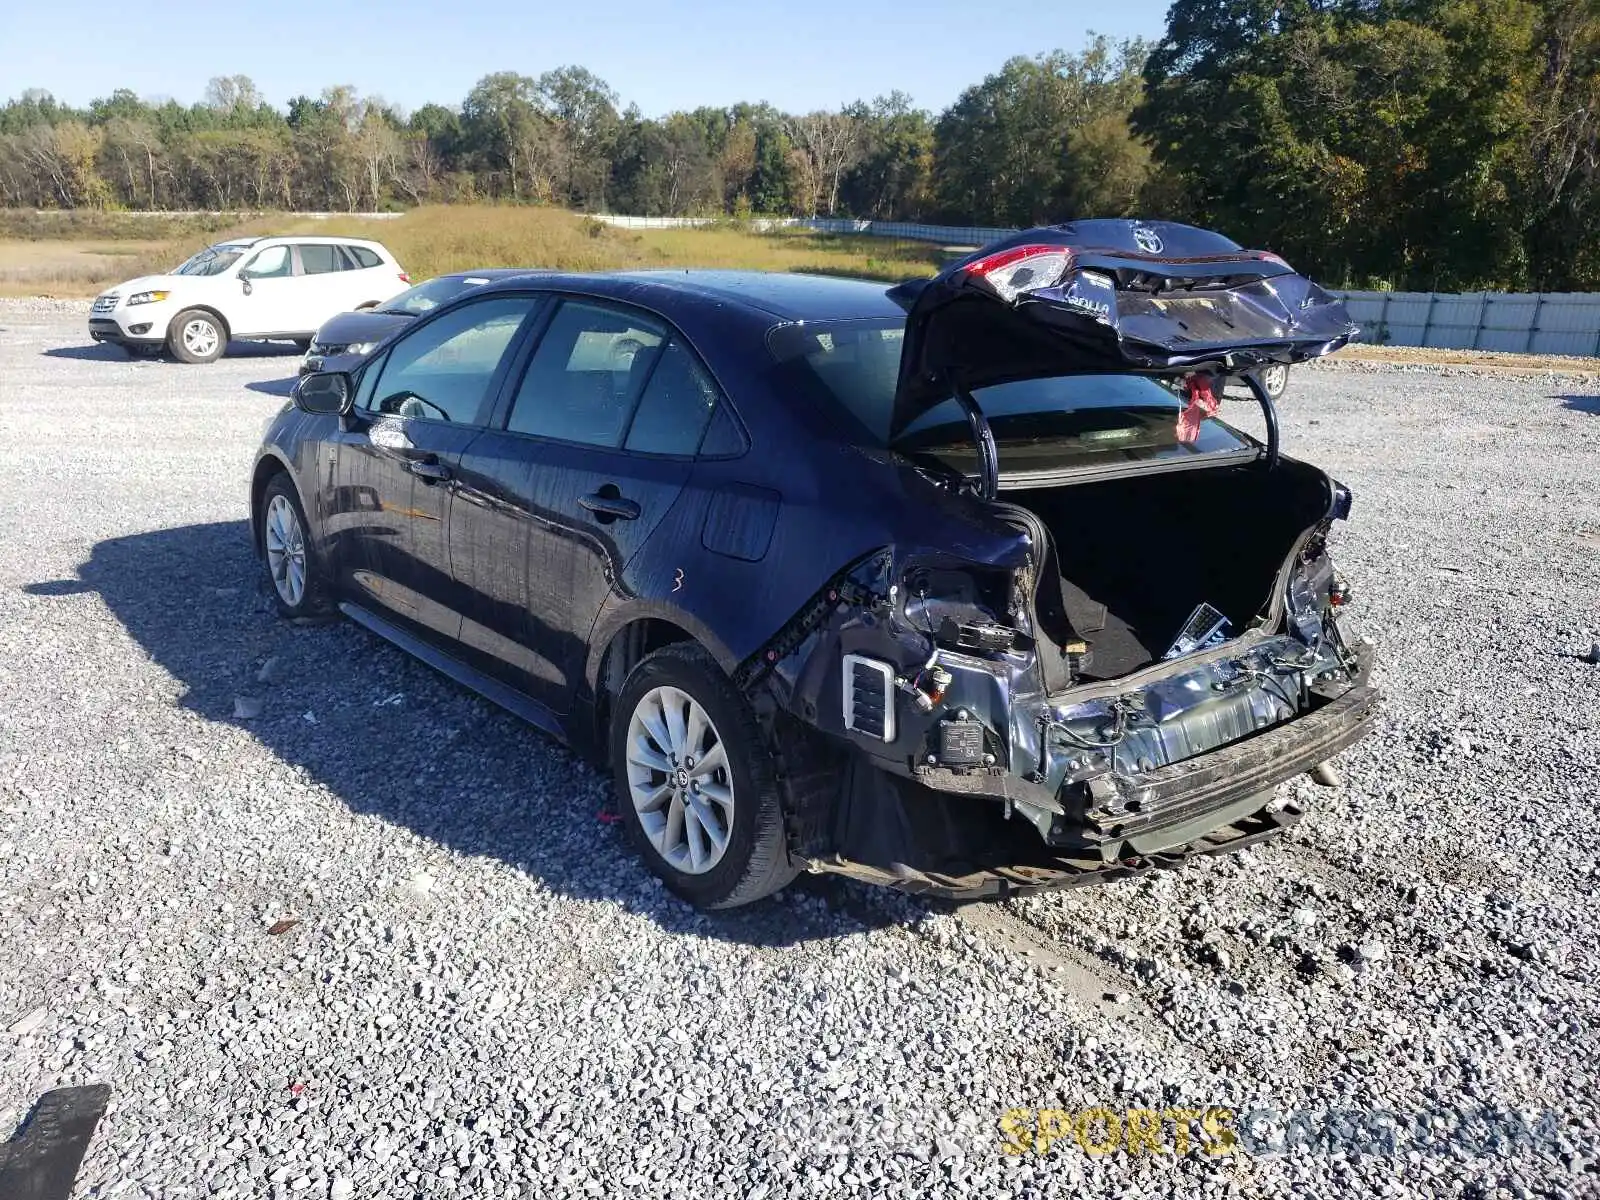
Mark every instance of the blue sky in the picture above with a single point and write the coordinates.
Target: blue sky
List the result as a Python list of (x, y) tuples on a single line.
[(660, 54)]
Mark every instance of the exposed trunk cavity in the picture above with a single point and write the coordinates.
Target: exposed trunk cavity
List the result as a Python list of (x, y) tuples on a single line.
[(1137, 555)]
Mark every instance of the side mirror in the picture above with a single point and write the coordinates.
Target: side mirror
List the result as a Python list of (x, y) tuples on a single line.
[(326, 394)]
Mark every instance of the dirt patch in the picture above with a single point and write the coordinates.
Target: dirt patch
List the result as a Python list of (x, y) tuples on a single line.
[(1492, 360)]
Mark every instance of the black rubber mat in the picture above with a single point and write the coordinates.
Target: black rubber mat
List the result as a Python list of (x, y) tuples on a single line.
[(1115, 646)]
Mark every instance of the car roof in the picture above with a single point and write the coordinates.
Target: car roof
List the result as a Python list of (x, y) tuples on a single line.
[(487, 273), (312, 239), (791, 297)]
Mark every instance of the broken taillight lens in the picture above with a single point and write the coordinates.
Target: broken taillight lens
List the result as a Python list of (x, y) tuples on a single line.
[(1022, 269)]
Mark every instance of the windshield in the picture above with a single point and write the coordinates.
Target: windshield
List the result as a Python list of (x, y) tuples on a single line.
[(1069, 420), (427, 296), (213, 260)]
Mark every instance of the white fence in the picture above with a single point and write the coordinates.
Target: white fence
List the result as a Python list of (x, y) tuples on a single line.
[(949, 235), (1521, 322), (170, 214)]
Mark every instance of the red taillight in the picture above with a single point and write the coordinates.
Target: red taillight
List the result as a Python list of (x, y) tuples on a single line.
[(404, 278), (1022, 269)]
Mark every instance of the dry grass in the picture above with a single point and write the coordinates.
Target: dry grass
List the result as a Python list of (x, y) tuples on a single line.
[(79, 254)]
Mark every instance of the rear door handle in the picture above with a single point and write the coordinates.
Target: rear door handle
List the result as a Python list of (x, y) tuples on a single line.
[(430, 470), (610, 508)]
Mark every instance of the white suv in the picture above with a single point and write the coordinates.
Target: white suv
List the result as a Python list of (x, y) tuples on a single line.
[(263, 288)]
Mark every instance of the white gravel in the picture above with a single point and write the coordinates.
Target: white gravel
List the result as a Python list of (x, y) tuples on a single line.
[(476, 991)]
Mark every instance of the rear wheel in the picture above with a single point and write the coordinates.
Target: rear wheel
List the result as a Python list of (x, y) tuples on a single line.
[(196, 336), (695, 782)]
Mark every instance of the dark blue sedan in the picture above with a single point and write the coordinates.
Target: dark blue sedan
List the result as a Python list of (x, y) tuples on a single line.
[(960, 586)]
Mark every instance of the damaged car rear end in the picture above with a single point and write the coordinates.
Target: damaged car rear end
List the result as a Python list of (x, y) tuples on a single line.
[(1115, 627)]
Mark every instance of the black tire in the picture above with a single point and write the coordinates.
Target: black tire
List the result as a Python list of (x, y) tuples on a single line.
[(755, 862), (315, 600), (180, 346)]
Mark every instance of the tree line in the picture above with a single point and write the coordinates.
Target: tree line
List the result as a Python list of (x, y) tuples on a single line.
[(1410, 143)]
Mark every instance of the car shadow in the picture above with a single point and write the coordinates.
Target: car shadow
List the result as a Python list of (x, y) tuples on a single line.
[(107, 352), (1583, 404), (272, 387), (393, 739), (98, 352)]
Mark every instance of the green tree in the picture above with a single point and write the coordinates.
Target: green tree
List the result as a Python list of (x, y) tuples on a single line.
[(1004, 152), (890, 180)]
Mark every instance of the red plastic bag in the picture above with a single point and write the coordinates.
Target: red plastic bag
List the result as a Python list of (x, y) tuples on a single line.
[(1202, 402)]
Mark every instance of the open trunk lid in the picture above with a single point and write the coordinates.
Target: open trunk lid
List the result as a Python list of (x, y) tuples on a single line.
[(1106, 296)]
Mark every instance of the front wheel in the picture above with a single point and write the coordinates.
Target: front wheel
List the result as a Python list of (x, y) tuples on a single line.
[(297, 577), (695, 783), (195, 336), (1274, 381)]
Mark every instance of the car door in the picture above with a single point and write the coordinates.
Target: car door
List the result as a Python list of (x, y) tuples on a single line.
[(367, 279), (324, 286), (266, 295), (597, 441), (394, 461)]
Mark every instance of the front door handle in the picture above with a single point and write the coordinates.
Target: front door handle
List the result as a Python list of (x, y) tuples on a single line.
[(430, 470), (608, 505)]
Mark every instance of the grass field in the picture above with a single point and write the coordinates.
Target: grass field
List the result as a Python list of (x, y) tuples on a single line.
[(78, 254)]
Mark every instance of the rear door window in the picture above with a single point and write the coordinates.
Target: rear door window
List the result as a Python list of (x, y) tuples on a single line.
[(675, 407), (584, 378), (363, 257), (317, 259)]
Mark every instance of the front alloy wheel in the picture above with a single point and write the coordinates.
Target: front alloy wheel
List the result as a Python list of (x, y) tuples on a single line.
[(196, 336), (695, 781), (1275, 381), (286, 551), (292, 565)]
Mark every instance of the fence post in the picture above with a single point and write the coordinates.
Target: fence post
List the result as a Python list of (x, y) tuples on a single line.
[(1427, 320), (1483, 309), (1383, 318), (1533, 323)]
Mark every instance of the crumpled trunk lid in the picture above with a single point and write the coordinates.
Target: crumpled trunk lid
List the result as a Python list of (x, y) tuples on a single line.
[(1107, 296)]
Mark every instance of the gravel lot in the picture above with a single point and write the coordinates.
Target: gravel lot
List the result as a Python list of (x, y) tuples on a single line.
[(485, 995)]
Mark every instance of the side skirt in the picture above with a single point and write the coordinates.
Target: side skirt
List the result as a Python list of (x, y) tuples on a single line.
[(491, 689)]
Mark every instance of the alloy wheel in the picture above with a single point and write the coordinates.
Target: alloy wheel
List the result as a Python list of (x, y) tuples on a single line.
[(1274, 379), (286, 550), (679, 780), (200, 337)]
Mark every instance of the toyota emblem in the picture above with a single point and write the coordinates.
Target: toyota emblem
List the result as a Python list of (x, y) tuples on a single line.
[(1147, 240)]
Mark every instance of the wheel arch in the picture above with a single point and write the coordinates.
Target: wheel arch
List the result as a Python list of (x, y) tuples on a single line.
[(267, 466), (623, 638), (210, 311)]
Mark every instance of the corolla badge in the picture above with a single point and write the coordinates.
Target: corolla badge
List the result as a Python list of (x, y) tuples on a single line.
[(1147, 240), (1098, 309)]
